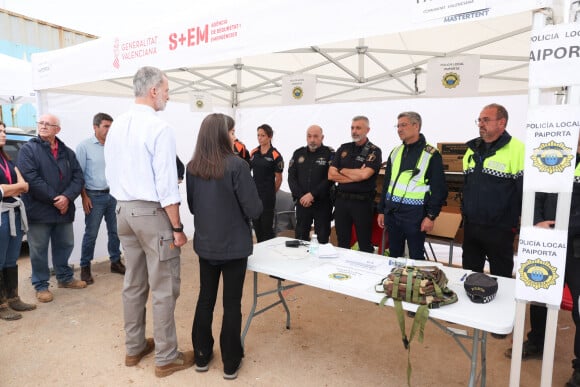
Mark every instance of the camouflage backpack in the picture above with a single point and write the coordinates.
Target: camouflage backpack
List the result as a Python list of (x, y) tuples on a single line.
[(423, 285)]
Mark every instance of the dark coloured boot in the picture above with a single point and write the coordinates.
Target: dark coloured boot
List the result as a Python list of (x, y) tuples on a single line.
[(86, 275), (5, 312), (574, 380), (11, 285)]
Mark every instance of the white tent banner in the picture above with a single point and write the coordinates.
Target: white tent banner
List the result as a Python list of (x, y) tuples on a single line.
[(555, 56), (453, 76), (540, 265), (435, 9), (551, 143), (200, 102), (216, 36), (298, 89)]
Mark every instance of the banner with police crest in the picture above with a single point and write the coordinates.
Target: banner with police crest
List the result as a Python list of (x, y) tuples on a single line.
[(540, 265), (454, 76), (200, 102), (298, 89), (551, 145)]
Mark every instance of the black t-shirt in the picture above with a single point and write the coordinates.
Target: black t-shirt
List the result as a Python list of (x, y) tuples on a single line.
[(264, 168)]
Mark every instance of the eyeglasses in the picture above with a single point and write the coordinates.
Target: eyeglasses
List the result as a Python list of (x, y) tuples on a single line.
[(485, 120), (403, 125), (42, 123)]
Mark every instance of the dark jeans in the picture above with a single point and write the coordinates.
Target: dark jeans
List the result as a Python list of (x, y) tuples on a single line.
[(234, 273), (358, 212), (400, 231), (496, 244), (319, 212), (264, 225), (538, 313)]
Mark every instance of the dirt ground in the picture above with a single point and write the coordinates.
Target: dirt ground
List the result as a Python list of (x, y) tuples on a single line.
[(335, 340)]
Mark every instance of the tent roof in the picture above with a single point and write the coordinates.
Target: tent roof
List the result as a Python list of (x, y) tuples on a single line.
[(379, 66)]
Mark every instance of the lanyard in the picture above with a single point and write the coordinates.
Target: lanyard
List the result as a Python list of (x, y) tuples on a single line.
[(6, 170)]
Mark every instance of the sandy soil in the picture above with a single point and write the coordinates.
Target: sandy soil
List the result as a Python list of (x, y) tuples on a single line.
[(335, 340)]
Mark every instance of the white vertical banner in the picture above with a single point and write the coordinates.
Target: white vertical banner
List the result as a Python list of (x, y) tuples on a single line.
[(456, 76), (551, 143), (540, 265), (299, 89), (555, 56), (200, 102)]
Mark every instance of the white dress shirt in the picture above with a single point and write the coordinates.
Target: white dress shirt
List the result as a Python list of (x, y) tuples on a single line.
[(140, 158)]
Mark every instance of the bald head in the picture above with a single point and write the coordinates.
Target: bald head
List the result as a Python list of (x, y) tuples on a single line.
[(314, 137)]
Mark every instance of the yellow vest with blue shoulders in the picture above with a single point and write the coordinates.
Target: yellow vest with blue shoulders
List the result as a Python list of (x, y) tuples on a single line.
[(410, 186)]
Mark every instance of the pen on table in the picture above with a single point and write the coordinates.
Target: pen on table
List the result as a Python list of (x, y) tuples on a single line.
[(463, 277)]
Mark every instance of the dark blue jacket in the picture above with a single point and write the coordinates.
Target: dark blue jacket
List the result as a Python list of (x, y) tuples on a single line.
[(48, 178), (222, 210)]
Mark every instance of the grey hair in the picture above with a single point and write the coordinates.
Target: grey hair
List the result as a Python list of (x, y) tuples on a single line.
[(413, 117), (361, 118), (146, 78)]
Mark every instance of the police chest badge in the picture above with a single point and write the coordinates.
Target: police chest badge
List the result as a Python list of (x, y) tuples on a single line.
[(300, 159), (343, 154), (552, 157)]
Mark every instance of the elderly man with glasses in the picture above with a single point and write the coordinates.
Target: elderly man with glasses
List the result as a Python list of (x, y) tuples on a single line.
[(414, 189), (55, 179), (493, 167)]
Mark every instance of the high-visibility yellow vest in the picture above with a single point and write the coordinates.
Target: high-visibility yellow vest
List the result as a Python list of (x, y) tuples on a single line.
[(410, 186), (507, 162)]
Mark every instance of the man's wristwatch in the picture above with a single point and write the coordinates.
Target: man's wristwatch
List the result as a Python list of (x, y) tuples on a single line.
[(431, 217), (178, 229)]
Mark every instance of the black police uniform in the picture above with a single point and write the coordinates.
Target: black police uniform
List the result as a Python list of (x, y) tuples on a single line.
[(355, 201), (308, 172), (264, 168)]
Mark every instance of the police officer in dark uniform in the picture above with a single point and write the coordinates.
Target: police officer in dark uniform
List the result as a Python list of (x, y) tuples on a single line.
[(308, 181), (355, 168), (267, 166)]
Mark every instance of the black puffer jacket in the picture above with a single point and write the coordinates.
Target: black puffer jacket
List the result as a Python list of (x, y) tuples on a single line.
[(222, 210)]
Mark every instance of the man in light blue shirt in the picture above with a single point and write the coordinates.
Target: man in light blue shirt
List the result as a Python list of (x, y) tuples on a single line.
[(97, 201)]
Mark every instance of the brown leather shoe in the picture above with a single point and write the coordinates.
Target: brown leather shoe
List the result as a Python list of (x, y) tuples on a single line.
[(133, 360), (118, 267), (86, 275), (44, 296), (182, 361), (74, 284)]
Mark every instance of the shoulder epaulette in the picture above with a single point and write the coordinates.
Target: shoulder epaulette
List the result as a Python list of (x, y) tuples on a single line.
[(275, 154), (430, 149)]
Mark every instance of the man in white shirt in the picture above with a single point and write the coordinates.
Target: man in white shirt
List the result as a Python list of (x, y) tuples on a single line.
[(140, 169)]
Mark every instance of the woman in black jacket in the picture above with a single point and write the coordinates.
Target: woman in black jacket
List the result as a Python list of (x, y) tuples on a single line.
[(222, 198)]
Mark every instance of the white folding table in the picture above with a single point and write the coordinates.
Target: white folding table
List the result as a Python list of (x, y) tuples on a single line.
[(356, 273)]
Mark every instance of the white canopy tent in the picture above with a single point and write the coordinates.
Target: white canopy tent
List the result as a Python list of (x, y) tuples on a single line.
[(16, 85), (238, 56)]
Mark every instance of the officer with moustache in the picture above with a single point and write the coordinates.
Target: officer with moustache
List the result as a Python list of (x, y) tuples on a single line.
[(308, 181)]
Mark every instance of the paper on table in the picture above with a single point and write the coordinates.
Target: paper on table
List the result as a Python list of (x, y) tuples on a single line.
[(327, 250)]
